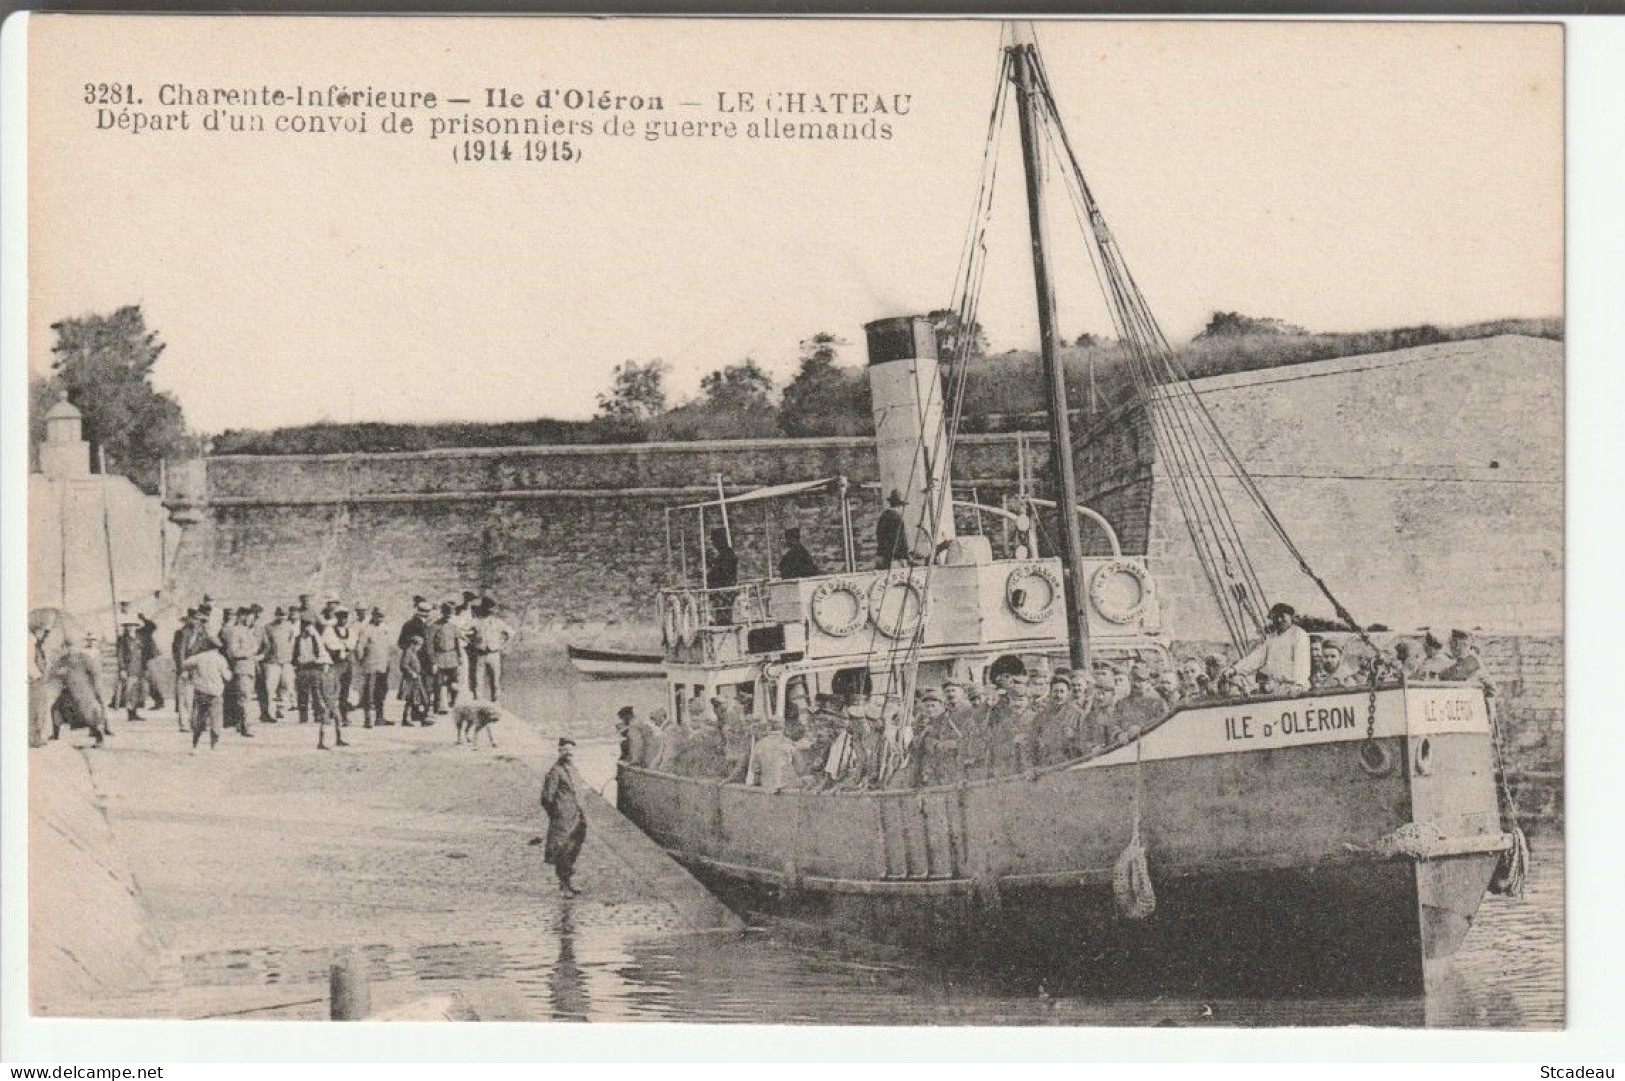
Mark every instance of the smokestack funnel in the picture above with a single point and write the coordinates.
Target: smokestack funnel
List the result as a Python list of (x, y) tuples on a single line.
[(905, 388)]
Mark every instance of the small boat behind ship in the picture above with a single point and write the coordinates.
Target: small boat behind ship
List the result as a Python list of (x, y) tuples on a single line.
[(615, 664), (1341, 837)]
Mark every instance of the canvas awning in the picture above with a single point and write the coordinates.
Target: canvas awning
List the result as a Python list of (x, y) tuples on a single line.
[(772, 491)]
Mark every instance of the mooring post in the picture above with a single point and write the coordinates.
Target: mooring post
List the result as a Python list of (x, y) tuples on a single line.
[(350, 998)]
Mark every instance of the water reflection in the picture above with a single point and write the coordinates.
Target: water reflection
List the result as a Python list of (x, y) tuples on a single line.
[(567, 986), (592, 960), (1508, 974)]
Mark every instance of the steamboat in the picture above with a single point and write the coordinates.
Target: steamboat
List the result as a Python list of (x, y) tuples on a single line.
[(1339, 837)]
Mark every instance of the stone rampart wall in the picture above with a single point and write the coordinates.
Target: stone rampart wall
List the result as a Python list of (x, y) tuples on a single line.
[(1425, 484)]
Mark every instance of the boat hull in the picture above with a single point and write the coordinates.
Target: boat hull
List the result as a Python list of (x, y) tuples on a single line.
[(615, 664), (1324, 860), (1347, 929)]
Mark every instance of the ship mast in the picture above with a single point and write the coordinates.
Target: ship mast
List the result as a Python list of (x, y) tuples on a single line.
[(1064, 472)]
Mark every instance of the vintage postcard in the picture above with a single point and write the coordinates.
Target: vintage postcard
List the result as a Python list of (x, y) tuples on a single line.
[(884, 522)]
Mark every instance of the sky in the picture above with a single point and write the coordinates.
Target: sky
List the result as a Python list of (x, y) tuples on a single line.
[(1339, 176)]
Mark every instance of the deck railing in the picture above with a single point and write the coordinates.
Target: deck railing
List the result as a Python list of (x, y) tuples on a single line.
[(687, 611)]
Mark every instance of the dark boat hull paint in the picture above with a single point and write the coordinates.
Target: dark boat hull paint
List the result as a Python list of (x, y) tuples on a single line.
[(1337, 930), (1269, 866)]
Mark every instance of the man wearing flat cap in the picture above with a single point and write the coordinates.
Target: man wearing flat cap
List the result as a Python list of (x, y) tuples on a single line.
[(1283, 655), (934, 755), (191, 639), (566, 822), (1140, 703), (1434, 658), (276, 664), (1054, 730), (1465, 667), (1006, 731), (1333, 670), (372, 652), (240, 643), (310, 663), (797, 561)]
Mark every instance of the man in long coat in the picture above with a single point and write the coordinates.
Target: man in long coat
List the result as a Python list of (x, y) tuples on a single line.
[(566, 822), (721, 572), (130, 691), (891, 541)]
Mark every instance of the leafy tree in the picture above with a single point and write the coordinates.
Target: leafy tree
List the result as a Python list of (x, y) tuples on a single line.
[(104, 366), (742, 386), (636, 396), (637, 393), (951, 332), (735, 402), (42, 394), (1235, 325), (824, 398), (1087, 340)]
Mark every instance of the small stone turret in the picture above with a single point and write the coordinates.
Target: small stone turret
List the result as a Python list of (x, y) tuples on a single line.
[(64, 454)]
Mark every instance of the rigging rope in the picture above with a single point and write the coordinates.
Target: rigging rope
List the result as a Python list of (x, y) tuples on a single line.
[(965, 305), (1183, 428), (1198, 507)]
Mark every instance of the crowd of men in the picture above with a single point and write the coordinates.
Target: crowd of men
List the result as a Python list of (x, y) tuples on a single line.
[(236, 669), (1014, 723)]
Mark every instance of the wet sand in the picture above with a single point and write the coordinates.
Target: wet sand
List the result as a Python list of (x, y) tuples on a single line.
[(259, 862)]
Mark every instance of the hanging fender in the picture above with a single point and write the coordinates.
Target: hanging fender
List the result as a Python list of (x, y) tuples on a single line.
[(1375, 758)]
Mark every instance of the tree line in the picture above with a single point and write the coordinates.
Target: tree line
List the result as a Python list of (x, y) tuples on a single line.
[(103, 364)]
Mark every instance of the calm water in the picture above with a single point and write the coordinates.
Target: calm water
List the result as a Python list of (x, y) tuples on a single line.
[(1509, 973), (596, 963)]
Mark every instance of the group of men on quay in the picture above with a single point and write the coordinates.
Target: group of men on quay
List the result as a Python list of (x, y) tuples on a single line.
[(235, 669), (1015, 723)]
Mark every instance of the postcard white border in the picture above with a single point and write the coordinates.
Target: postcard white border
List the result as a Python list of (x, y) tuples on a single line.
[(1595, 295)]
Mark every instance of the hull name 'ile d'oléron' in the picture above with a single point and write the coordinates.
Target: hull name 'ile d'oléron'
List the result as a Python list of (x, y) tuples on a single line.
[(1342, 834)]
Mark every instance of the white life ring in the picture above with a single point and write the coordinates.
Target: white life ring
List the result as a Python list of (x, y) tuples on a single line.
[(1028, 609), (688, 619), (836, 623), (898, 623), (1106, 584), (670, 625)]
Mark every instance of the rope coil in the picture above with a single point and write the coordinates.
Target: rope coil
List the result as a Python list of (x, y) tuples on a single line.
[(1131, 876)]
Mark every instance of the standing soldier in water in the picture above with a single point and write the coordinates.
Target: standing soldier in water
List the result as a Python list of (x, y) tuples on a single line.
[(566, 823)]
